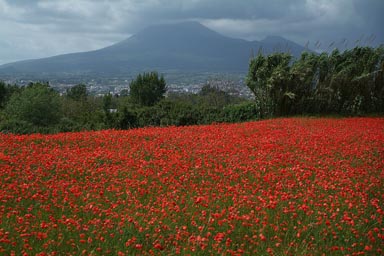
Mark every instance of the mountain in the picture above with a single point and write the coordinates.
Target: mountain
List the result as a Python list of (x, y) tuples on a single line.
[(187, 46)]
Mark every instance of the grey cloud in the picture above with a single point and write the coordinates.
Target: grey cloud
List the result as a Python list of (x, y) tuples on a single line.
[(78, 25), (371, 14)]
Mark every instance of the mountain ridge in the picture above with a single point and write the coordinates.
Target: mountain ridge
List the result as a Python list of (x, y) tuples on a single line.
[(187, 46)]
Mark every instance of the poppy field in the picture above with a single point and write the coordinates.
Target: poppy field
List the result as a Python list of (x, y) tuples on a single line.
[(289, 186)]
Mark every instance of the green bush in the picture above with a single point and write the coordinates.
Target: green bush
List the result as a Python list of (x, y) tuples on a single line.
[(37, 104), (68, 125), (148, 89), (241, 112), (127, 119), (17, 127)]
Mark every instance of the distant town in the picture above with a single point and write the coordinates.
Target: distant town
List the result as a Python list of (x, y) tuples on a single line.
[(178, 83)]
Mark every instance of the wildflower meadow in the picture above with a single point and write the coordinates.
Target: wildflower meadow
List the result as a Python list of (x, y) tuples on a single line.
[(287, 186)]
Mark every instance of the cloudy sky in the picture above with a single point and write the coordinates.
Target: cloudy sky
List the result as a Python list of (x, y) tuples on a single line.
[(41, 28)]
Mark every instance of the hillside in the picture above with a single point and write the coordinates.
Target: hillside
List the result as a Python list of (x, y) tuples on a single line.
[(187, 46)]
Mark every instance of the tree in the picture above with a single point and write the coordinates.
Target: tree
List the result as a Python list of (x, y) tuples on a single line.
[(353, 80), (37, 104), (109, 105), (78, 92), (306, 74), (214, 97), (147, 89), (3, 93), (256, 81), (127, 119), (279, 83), (6, 91), (268, 78)]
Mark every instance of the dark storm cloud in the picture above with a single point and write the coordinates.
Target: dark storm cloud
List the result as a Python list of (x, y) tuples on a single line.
[(371, 13), (39, 28)]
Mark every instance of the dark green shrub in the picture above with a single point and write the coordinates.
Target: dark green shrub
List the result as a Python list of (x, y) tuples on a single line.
[(241, 112)]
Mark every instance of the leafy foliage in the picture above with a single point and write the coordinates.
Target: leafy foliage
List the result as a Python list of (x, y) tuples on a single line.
[(349, 83), (6, 92), (78, 92), (148, 89), (37, 104), (241, 112)]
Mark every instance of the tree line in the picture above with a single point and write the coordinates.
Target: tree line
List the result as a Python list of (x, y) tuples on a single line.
[(347, 83), (38, 108), (344, 83)]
